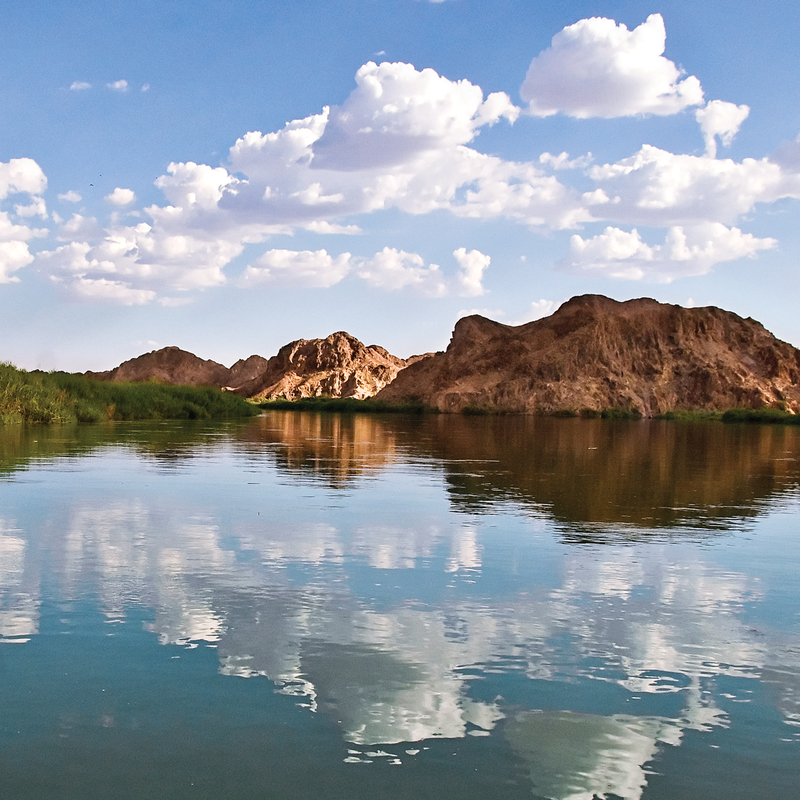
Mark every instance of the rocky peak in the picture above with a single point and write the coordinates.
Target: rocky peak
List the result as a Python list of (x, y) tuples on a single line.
[(595, 353)]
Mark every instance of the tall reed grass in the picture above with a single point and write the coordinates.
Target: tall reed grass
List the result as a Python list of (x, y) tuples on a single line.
[(59, 397)]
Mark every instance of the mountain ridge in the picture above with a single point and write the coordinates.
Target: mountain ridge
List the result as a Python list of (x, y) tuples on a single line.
[(592, 354)]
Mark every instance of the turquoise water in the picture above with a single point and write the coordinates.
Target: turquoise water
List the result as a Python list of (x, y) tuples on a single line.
[(332, 606)]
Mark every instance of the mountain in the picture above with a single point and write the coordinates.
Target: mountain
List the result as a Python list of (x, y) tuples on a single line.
[(168, 365), (595, 353), (338, 366)]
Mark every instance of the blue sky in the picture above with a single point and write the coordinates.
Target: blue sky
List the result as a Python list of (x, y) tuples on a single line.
[(229, 176)]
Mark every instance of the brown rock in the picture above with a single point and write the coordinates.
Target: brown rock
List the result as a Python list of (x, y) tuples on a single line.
[(168, 365), (338, 366), (245, 370), (595, 353)]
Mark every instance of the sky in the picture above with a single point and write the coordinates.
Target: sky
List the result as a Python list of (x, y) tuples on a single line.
[(230, 176)]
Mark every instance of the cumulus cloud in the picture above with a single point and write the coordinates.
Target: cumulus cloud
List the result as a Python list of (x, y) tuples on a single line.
[(137, 258), (720, 119), (403, 140), (597, 68), (80, 228), (36, 207), (563, 161), (110, 291), (472, 266), (297, 268), (118, 86), (79, 86), (13, 256), (541, 308), (21, 175), (686, 251), (393, 269), (659, 188), (70, 197), (120, 197), (397, 111)]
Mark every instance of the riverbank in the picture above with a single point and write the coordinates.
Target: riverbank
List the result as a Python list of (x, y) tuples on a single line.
[(350, 405), (60, 397)]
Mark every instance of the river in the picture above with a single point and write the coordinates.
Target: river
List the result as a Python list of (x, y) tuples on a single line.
[(357, 606)]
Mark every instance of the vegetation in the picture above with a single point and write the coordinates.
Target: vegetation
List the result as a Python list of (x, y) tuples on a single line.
[(348, 405), (692, 416), (53, 397), (769, 415)]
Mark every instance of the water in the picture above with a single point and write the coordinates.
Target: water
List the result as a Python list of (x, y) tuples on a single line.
[(326, 606)]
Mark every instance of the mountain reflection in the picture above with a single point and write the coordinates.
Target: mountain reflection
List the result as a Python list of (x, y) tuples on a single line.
[(432, 623), (587, 474)]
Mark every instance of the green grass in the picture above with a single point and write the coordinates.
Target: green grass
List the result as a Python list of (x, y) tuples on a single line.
[(769, 415), (691, 416), (59, 397), (348, 405)]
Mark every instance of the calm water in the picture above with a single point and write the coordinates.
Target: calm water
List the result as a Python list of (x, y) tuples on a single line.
[(325, 606)]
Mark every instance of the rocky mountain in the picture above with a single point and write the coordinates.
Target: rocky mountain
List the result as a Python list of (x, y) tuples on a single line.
[(595, 353), (338, 366), (169, 365)]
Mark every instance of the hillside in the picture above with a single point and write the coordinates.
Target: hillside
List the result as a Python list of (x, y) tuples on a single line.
[(595, 353)]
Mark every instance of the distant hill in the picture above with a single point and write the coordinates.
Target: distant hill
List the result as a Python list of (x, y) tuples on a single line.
[(338, 366), (168, 365), (595, 353)]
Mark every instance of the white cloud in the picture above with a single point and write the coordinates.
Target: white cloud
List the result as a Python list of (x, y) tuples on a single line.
[(656, 187), (111, 291), (393, 269), (541, 308), (118, 86), (397, 111), (324, 227), (70, 197), (13, 256), (146, 87), (79, 86), (720, 119), (35, 208), (120, 197), (80, 228), (297, 268), (472, 264), (401, 140), (686, 251), (21, 175), (563, 161), (139, 258), (596, 68)]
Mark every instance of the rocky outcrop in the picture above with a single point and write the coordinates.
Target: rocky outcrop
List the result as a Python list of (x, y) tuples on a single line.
[(245, 370), (338, 366), (168, 365), (594, 353)]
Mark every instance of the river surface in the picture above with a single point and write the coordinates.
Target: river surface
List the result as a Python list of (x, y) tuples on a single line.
[(335, 606)]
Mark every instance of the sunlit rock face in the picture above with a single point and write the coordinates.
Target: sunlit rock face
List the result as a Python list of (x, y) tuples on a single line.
[(594, 353), (338, 366)]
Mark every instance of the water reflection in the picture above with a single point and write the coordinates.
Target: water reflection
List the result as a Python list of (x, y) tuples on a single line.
[(401, 617)]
